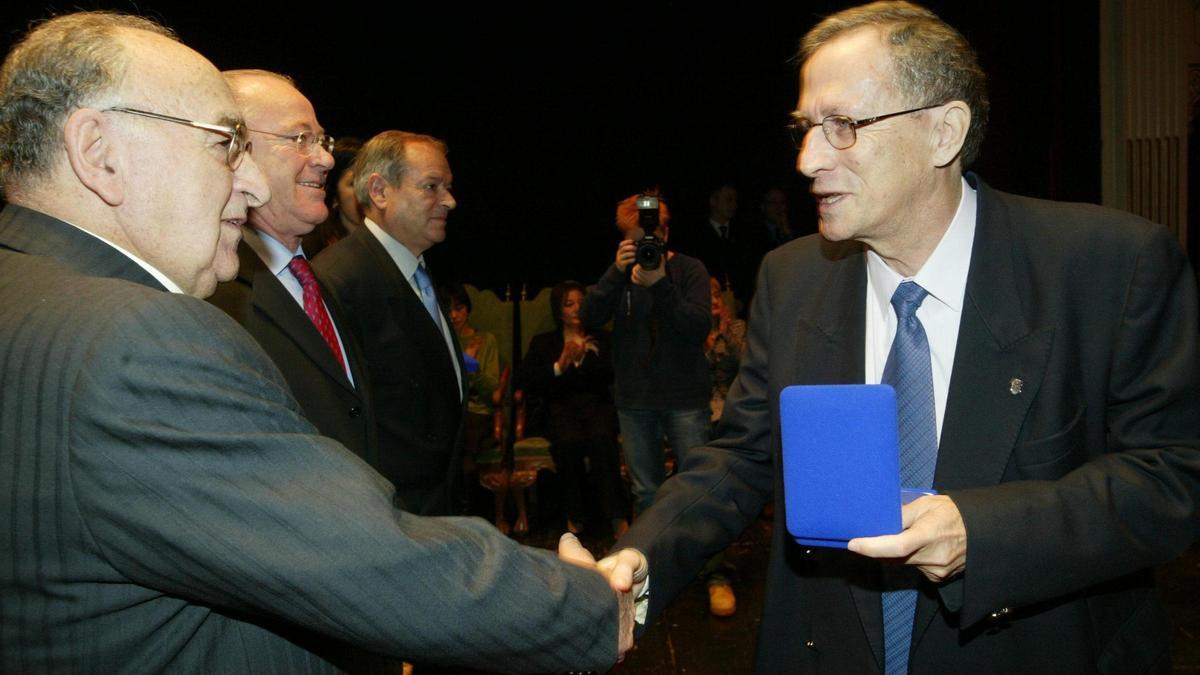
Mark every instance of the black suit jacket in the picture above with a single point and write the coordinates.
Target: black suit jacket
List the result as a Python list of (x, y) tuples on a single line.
[(167, 509), (418, 406), (733, 261), (260, 303), (583, 392), (702, 242), (1071, 488)]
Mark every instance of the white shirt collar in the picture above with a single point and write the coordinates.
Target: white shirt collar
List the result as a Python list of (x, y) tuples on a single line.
[(404, 258), (944, 274), (270, 250)]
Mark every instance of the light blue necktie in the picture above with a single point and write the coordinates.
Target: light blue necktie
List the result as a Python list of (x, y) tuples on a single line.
[(908, 370), (428, 298)]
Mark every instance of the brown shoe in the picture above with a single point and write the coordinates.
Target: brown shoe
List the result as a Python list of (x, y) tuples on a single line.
[(721, 600)]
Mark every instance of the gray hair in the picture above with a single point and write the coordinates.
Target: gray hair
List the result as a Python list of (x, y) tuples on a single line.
[(385, 154), (56, 69), (932, 62)]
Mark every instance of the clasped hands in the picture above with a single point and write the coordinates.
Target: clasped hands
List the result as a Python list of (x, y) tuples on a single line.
[(934, 539), (574, 350), (626, 572)]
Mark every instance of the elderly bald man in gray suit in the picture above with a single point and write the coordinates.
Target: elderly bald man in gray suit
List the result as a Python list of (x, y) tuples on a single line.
[(166, 506)]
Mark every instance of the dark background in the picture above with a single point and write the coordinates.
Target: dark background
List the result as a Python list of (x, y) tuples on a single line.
[(553, 113)]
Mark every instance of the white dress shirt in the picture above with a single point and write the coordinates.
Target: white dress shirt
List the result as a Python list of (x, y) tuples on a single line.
[(944, 276), (276, 257), (408, 263)]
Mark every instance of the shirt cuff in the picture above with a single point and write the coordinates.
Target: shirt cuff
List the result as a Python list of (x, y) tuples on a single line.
[(641, 604)]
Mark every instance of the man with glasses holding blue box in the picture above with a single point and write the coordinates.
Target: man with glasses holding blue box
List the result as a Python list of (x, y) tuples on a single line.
[(1045, 363)]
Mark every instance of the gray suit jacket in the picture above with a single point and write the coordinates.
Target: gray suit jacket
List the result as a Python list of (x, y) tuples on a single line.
[(1070, 489), (419, 408), (167, 508)]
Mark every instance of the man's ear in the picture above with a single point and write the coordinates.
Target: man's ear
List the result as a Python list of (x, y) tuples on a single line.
[(376, 187), (950, 132), (92, 154)]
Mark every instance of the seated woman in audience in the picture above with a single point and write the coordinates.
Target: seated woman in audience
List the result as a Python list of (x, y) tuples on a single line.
[(481, 355), (724, 348), (571, 372)]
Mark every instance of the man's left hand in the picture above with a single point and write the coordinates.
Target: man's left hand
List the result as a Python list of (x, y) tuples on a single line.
[(644, 277), (934, 539)]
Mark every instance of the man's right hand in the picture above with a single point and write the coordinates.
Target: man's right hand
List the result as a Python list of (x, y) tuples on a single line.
[(619, 576), (626, 254)]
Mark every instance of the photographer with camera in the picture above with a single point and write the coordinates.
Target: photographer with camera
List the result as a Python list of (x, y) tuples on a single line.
[(659, 305)]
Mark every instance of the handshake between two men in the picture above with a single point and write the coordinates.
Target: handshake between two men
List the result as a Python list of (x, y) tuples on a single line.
[(626, 572)]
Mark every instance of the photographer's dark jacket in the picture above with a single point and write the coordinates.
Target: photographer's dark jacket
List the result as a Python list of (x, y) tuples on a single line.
[(658, 335)]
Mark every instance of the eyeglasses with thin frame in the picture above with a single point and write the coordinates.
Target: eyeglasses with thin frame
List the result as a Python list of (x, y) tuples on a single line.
[(842, 131), (238, 143), (304, 141)]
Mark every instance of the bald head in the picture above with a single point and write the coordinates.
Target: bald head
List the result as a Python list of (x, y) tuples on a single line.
[(252, 85), (160, 189), (288, 147)]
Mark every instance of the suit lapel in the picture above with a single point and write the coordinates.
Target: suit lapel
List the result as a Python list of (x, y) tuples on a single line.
[(277, 305), (36, 233), (408, 304), (999, 364)]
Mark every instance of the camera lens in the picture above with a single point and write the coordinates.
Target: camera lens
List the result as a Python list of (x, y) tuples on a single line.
[(649, 252)]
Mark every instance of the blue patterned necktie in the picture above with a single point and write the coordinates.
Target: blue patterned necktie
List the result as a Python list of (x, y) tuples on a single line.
[(425, 284), (908, 370)]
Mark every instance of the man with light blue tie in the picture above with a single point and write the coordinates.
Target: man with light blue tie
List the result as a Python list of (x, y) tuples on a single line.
[(1047, 376), (379, 277), (275, 295)]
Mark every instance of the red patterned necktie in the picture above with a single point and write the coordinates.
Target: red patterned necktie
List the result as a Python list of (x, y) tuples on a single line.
[(314, 306)]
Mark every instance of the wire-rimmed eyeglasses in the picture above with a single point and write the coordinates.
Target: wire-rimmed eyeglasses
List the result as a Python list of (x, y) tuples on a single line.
[(842, 131), (237, 142), (304, 141)]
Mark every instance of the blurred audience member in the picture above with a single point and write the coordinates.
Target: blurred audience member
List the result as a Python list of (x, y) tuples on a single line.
[(724, 348), (345, 215), (481, 356), (570, 371), (777, 229), (660, 318), (714, 242)]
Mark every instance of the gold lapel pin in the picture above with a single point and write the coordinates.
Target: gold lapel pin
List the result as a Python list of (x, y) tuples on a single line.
[(1015, 386)]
